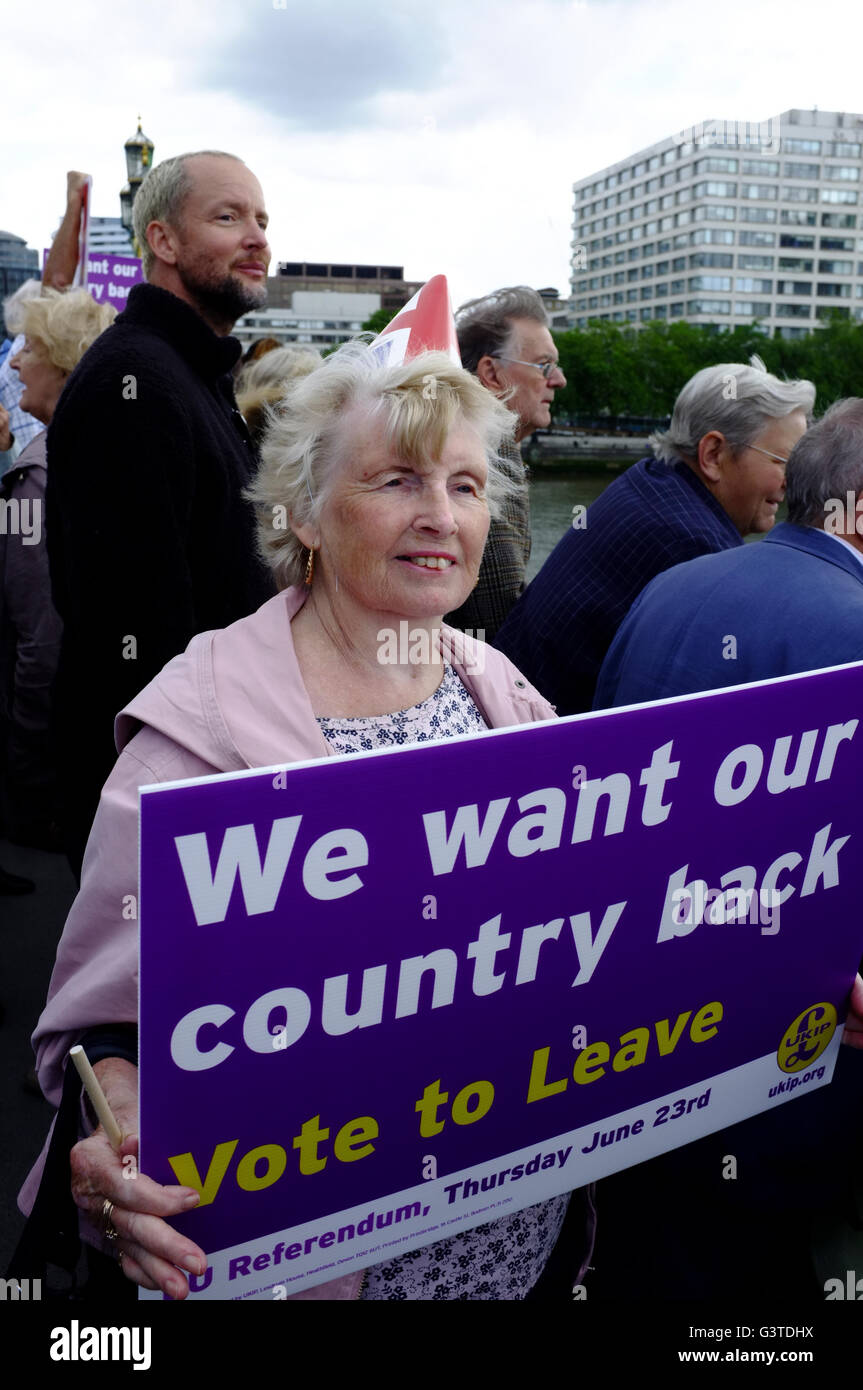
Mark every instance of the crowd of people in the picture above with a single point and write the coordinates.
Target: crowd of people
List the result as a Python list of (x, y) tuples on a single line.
[(166, 615)]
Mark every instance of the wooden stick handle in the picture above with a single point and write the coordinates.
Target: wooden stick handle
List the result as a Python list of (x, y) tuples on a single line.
[(97, 1096)]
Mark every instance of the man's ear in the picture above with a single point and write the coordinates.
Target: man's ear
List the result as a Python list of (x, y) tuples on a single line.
[(712, 448), (162, 240), (489, 373)]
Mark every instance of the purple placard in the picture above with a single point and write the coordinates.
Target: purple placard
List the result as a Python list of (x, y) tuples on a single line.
[(577, 1017), (110, 278)]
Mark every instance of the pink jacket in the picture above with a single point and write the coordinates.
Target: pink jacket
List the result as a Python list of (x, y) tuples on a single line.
[(235, 699)]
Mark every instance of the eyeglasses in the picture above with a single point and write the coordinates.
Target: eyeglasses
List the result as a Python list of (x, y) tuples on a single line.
[(759, 450), (545, 367)]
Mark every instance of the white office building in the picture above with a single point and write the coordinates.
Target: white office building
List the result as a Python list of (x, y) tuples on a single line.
[(108, 235), (726, 223), (317, 318)]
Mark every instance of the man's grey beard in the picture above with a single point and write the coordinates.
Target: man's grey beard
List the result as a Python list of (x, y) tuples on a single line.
[(227, 300)]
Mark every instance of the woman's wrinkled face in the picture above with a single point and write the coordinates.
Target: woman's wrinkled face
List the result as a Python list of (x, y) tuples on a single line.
[(42, 381), (404, 540)]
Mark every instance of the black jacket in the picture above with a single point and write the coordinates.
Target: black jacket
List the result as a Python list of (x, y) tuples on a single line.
[(149, 539)]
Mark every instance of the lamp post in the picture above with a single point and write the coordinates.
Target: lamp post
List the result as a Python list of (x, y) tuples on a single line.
[(139, 158)]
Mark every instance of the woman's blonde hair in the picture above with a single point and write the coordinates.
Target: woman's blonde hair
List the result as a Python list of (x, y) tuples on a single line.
[(419, 403), (65, 323)]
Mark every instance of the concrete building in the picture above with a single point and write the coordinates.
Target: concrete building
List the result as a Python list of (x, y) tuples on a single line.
[(726, 223), (108, 235), (323, 303), (18, 262)]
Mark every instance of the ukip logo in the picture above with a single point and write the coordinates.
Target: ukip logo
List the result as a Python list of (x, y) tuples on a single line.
[(807, 1037)]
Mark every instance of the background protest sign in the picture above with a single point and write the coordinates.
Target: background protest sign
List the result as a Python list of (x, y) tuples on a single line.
[(388, 997), (110, 278)]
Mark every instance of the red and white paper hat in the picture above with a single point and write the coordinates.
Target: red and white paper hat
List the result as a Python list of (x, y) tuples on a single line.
[(425, 324)]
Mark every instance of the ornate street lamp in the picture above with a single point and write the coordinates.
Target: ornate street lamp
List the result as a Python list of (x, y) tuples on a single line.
[(139, 159)]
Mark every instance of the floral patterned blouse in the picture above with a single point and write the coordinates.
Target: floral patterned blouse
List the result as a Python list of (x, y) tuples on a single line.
[(502, 1259)]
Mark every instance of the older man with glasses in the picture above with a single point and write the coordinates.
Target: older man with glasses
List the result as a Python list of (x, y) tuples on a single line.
[(504, 340), (716, 475)]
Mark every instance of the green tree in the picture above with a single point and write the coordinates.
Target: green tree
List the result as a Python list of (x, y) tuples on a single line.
[(379, 320)]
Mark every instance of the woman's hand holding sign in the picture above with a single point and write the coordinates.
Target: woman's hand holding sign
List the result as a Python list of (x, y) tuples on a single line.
[(149, 1250), (853, 1034)]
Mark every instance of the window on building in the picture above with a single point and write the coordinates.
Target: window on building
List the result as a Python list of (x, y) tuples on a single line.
[(792, 217), (798, 287), (839, 195), (793, 311), (747, 284), (682, 219), (720, 213), (798, 263), (757, 214), (793, 170), (716, 236), (835, 267), (838, 219), (801, 146), (752, 308), (766, 167), (837, 243), (678, 287), (846, 172), (715, 188), (765, 191), (845, 148), (710, 282), (719, 260), (827, 290), (647, 292), (751, 262), (799, 194), (669, 156), (805, 243), (757, 238), (675, 310), (708, 306), (715, 165)]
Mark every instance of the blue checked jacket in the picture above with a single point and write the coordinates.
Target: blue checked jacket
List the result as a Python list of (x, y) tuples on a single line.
[(653, 516)]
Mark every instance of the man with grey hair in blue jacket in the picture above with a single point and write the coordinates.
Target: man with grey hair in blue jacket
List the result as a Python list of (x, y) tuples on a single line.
[(716, 474), (791, 604)]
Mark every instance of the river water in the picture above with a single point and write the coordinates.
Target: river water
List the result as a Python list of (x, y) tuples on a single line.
[(552, 498)]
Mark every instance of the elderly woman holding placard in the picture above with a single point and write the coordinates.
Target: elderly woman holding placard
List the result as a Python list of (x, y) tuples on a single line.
[(387, 476)]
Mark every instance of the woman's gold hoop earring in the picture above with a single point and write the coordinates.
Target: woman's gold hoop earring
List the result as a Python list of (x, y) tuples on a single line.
[(310, 569)]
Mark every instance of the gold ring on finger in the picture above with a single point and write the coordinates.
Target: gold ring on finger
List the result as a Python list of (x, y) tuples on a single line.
[(107, 1209)]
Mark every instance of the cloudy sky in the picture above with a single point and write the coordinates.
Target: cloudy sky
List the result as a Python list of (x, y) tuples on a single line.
[(443, 136)]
